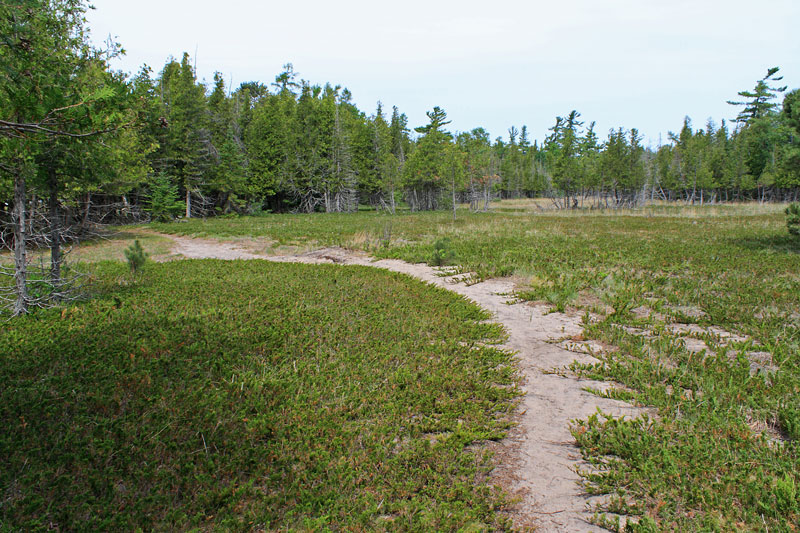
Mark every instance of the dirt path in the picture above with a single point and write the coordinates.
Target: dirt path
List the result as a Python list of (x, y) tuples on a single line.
[(209, 249), (540, 457)]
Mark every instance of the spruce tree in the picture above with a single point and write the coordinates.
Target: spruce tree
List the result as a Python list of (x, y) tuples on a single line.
[(185, 145), (427, 167)]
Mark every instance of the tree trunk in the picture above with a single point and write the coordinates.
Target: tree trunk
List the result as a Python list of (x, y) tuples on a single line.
[(87, 211), (55, 228), (454, 197), (20, 252), (32, 214), (188, 203)]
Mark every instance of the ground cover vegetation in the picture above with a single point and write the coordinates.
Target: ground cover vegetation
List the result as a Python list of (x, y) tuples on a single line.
[(697, 311), (250, 395)]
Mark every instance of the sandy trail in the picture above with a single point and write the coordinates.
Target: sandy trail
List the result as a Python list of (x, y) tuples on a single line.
[(209, 249), (540, 457)]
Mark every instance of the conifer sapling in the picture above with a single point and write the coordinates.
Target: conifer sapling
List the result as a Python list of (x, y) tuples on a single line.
[(136, 256)]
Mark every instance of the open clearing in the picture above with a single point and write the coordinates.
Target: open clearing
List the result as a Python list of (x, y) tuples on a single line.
[(691, 313), (697, 319), (541, 459)]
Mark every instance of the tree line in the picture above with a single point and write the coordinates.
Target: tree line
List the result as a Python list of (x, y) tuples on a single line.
[(292, 145), (81, 144), (295, 146)]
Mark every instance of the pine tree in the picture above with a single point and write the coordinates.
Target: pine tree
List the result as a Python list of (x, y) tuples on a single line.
[(758, 103), (793, 219), (425, 171), (185, 147), (163, 200), (789, 153), (589, 155), (563, 150), (398, 130), (480, 167), (268, 137), (227, 175), (385, 164), (511, 167)]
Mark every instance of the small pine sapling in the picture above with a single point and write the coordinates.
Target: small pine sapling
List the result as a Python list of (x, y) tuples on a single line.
[(442, 253), (136, 256), (793, 219)]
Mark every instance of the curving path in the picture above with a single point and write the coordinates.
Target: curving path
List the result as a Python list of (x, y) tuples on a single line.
[(539, 459)]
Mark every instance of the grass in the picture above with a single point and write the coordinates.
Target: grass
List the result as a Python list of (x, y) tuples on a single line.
[(722, 451), (112, 247), (109, 248), (249, 395)]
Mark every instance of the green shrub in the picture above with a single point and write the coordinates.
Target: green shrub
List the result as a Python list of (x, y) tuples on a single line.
[(786, 494), (789, 419)]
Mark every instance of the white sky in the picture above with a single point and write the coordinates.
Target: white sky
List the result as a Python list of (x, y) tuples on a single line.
[(631, 63)]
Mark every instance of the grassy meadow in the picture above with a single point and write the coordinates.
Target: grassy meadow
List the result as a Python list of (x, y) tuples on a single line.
[(236, 395)]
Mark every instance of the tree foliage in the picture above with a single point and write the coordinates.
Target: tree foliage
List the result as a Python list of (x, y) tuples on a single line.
[(758, 103), (62, 114)]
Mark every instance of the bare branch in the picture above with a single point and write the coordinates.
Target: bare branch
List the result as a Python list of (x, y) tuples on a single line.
[(18, 129)]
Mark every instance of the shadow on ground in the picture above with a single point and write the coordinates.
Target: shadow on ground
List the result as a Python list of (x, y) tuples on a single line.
[(777, 243)]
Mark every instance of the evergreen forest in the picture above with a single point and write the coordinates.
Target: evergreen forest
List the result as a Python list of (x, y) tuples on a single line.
[(90, 144)]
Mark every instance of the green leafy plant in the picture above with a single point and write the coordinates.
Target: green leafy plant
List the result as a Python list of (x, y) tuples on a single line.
[(386, 238), (789, 419), (786, 494), (614, 292), (136, 256)]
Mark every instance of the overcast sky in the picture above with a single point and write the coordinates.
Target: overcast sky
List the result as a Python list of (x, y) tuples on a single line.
[(632, 63)]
